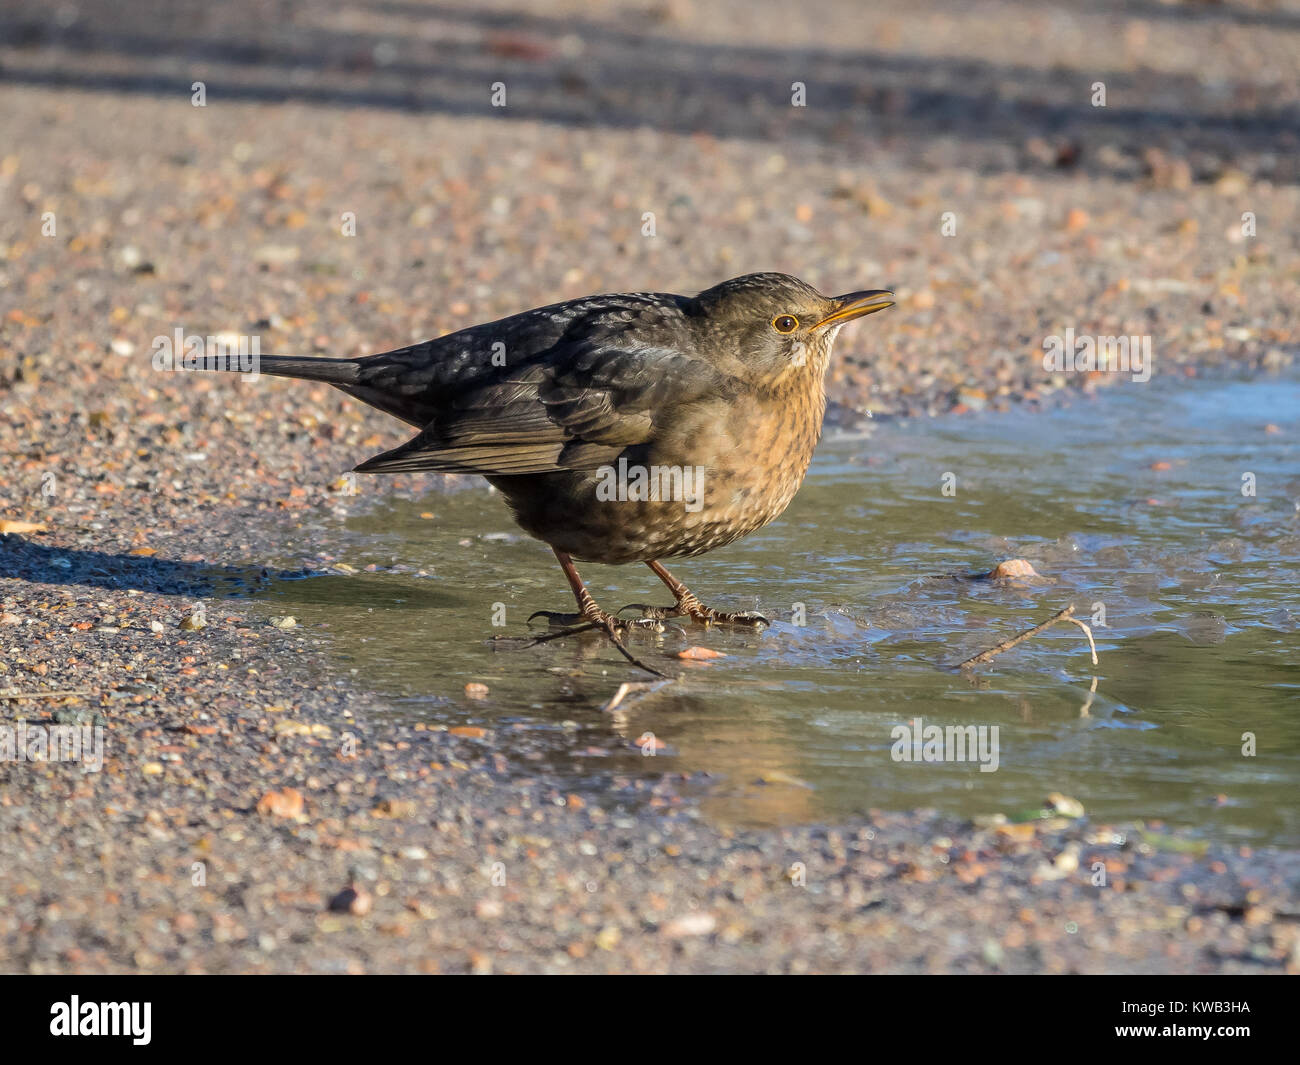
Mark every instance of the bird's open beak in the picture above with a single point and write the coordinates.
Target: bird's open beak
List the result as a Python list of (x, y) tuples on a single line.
[(855, 305)]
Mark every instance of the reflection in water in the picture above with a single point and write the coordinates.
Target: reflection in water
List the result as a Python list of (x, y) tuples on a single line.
[(1130, 507)]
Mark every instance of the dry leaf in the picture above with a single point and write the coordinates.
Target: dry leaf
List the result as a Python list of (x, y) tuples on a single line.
[(699, 654), (286, 803)]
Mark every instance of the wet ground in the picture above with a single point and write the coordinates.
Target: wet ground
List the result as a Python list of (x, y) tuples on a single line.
[(1131, 508)]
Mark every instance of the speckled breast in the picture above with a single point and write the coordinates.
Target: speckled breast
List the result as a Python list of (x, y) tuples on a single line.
[(712, 477)]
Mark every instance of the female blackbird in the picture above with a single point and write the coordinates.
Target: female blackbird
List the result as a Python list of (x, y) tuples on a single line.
[(621, 428)]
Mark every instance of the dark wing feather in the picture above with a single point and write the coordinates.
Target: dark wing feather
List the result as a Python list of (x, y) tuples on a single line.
[(575, 405)]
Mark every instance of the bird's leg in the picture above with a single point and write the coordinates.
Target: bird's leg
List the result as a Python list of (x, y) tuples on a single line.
[(588, 610), (689, 605), (595, 617)]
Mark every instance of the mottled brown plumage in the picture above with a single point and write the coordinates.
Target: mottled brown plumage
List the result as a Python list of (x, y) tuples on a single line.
[(553, 404)]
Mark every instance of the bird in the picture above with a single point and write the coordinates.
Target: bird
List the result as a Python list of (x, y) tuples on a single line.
[(620, 428)]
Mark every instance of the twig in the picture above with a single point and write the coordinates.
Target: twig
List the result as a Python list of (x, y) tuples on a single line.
[(1065, 615), (586, 626), (1092, 691), (648, 688), (1088, 633), (46, 695), (532, 641)]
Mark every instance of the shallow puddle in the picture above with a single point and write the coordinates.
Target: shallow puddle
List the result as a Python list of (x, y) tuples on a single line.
[(1130, 506)]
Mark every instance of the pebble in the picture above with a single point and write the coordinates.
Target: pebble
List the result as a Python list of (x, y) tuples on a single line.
[(352, 899), (694, 924)]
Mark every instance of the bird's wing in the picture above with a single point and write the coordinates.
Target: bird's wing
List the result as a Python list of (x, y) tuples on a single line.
[(574, 406)]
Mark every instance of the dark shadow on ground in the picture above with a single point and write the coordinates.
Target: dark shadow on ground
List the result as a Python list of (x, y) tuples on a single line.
[(38, 563), (582, 72), (1209, 11)]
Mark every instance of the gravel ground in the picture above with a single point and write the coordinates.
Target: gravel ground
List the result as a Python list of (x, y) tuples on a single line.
[(227, 218)]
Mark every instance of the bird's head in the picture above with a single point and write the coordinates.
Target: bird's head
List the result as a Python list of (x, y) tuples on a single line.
[(777, 325)]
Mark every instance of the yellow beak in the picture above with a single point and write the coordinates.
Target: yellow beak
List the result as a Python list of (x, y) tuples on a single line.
[(856, 305)]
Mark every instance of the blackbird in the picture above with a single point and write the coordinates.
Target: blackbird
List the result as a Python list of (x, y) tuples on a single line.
[(631, 427)]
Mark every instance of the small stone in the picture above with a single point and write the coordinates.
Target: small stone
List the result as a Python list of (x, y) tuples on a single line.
[(472, 732), (393, 808), (289, 727), (1013, 567), (276, 253), (352, 899), (287, 803), (1067, 861), (692, 924), (1064, 805), (1231, 182)]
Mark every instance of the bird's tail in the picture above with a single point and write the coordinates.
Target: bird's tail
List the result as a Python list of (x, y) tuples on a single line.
[(333, 371), (353, 376)]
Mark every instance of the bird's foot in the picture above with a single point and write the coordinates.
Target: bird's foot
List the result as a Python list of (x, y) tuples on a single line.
[(592, 617), (614, 628), (689, 606), (697, 611), (600, 619), (749, 619)]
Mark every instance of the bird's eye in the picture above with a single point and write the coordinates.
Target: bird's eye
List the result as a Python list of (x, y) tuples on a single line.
[(785, 323)]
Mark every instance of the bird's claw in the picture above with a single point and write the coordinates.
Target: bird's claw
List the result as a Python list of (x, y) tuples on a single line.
[(708, 616), (750, 618), (700, 613), (556, 619), (652, 613), (610, 622), (598, 620)]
